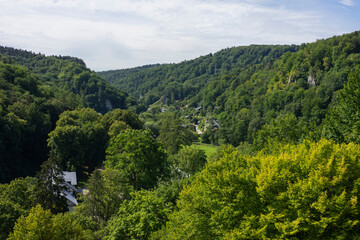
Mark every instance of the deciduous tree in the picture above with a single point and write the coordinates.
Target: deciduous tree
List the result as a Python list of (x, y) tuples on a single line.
[(42, 224), (137, 155)]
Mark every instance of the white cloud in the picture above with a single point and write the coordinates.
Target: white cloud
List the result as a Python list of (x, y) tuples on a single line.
[(349, 3), (112, 34)]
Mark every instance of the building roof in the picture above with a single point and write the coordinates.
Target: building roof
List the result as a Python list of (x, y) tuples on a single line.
[(70, 177)]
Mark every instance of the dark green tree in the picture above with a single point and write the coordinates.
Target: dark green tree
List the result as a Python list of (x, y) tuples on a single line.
[(49, 187), (106, 191), (174, 133)]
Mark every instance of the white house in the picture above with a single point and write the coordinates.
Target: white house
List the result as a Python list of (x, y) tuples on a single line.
[(70, 190)]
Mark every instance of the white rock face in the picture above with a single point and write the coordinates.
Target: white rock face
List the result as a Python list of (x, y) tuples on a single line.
[(108, 104), (289, 81), (311, 80)]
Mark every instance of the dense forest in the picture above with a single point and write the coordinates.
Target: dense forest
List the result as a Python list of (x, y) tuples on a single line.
[(34, 91), (245, 88), (284, 120), (72, 75)]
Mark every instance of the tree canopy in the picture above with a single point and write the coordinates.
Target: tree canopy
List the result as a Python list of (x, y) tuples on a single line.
[(309, 191), (139, 156), (79, 139), (343, 121), (174, 133), (277, 180), (244, 88), (42, 224)]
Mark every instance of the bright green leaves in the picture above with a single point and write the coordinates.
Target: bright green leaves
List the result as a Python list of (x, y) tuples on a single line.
[(79, 139), (309, 191), (211, 205), (139, 156), (139, 217), (42, 224)]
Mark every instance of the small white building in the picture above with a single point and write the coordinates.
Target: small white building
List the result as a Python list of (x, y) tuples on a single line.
[(70, 190)]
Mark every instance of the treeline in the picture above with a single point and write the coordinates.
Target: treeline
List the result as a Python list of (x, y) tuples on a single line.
[(184, 80), (245, 88), (72, 75)]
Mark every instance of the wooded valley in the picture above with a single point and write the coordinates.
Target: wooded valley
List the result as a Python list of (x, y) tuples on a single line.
[(283, 120)]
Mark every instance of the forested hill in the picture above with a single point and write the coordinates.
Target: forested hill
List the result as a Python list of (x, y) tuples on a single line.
[(34, 91), (186, 79), (71, 74), (248, 87)]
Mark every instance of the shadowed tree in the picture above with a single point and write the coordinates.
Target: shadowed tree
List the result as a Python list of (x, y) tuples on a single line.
[(174, 133), (49, 186)]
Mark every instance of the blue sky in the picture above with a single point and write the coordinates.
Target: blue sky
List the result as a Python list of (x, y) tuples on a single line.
[(116, 34)]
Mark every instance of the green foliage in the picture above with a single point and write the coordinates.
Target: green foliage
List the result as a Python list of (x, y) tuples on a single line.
[(171, 82), (42, 224), (343, 121), (247, 87), (138, 218), (174, 133), (309, 191), (16, 199), (79, 139), (190, 160), (49, 187), (137, 155), (26, 117), (32, 97), (120, 115), (106, 190), (81, 136), (269, 96), (72, 75), (287, 129)]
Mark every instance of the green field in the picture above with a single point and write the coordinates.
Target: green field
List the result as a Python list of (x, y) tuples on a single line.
[(208, 148)]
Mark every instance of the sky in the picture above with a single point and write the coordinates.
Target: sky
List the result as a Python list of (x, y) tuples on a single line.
[(118, 34)]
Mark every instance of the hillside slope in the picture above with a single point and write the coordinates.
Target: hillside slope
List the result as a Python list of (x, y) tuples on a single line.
[(34, 91), (29, 110), (186, 79), (71, 74), (247, 87)]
